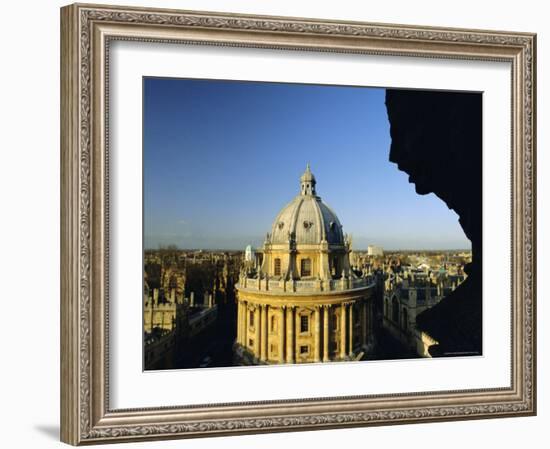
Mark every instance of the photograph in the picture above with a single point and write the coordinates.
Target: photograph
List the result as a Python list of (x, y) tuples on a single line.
[(288, 223), (277, 223)]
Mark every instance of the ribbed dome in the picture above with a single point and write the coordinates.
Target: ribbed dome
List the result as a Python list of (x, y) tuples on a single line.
[(306, 218)]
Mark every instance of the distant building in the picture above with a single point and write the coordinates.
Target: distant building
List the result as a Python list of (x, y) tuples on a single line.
[(161, 315), (185, 292), (407, 294), (373, 250), (160, 311), (304, 303), (169, 319)]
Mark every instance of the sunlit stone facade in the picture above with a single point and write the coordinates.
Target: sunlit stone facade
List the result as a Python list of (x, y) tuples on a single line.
[(303, 302)]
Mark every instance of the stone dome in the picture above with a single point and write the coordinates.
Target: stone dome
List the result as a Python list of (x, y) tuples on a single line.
[(306, 219)]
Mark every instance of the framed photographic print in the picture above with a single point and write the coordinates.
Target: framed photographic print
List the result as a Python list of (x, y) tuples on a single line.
[(279, 224)]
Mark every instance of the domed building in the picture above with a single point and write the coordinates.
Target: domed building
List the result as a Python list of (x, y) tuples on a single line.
[(304, 303)]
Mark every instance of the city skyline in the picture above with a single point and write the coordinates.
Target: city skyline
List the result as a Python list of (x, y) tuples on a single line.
[(222, 157)]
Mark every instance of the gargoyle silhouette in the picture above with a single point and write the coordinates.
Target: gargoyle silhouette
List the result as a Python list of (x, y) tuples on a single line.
[(437, 140)]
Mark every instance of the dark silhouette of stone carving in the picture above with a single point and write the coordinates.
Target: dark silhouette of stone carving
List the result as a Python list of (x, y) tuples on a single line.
[(437, 140)]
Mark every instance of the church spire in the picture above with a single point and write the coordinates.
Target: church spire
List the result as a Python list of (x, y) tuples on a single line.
[(307, 182)]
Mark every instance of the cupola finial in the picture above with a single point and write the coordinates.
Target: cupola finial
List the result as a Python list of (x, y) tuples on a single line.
[(307, 182)]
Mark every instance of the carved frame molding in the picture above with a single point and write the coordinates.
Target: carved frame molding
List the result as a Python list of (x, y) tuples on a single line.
[(87, 31)]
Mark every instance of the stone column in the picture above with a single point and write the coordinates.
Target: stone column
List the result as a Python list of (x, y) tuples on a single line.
[(281, 335), (289, 335), (364, 327), (326, 335), (317, 337), (244, 335), (239, 317), (343, 331), (263, 333), (257, 331), (243, 323), (351, 330)]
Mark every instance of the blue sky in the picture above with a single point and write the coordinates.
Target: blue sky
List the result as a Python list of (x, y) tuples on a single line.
[(221, 158)]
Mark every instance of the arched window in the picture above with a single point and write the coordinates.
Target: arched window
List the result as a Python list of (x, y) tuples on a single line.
[(277, 267), (334, 269), (273, 323), (305, 267)]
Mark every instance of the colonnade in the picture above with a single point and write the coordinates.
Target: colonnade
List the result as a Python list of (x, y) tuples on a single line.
[(255, 334)]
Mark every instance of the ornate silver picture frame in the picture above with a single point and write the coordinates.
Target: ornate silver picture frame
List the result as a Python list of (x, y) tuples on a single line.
[(87, 32)]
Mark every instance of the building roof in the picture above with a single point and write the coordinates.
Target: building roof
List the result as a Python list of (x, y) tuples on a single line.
[(307, 219)]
